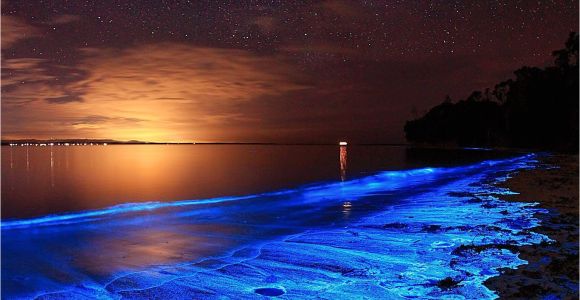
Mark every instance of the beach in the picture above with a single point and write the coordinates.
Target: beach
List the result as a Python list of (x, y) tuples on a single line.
[(552, 268)]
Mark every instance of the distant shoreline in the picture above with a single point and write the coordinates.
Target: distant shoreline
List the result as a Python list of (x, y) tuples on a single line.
[(114, 142), (422, 146)]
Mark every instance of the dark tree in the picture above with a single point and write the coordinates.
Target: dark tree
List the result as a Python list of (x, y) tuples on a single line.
[(537, 109)]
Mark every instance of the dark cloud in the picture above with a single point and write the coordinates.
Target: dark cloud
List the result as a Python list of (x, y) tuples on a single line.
[(65, 99), (100, 119), (15, 30)]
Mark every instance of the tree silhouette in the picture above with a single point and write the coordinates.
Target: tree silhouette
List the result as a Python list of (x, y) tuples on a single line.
[(537, 109)]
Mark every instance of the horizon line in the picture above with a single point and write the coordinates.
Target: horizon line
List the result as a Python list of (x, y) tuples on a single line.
[(138, 142)]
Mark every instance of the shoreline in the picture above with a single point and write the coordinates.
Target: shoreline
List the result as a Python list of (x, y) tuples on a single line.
[(552, 268)]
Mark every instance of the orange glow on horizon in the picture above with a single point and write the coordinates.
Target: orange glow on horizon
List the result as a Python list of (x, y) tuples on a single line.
[(157, 93)]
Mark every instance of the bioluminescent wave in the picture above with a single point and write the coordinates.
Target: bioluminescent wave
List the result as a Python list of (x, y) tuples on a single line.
[(381, 181), (395, 234)]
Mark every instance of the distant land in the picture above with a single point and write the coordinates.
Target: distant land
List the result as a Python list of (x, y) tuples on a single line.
[(78, 142), (88, 142)]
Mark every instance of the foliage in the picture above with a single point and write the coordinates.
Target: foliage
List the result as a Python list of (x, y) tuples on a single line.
[(537, 109)]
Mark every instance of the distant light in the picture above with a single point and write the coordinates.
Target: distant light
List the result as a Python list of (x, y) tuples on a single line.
[(343, 143), (104, 144)]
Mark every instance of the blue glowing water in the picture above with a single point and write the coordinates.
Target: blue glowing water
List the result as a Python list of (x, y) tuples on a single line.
[(390, 235)]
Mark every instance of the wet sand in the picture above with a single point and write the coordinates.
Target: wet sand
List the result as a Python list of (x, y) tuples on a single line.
[(552, 269)]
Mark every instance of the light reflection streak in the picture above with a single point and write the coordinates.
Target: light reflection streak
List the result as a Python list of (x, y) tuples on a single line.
[(11, 159), (27, 159), (51, 167), (343, 158), (346, 209), (66, 160), (346, 205)]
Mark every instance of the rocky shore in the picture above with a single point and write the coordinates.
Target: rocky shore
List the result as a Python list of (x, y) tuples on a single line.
[(552, 269)]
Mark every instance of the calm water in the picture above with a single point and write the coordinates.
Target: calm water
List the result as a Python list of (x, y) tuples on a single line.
[(38, 181)]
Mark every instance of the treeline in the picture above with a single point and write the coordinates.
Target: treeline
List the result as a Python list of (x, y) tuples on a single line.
[(538, 109)]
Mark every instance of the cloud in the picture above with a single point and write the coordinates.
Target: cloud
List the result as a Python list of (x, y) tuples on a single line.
[(100, 121), (64, 99), (16, 71), (34, 79), (181, 71), (15, 30), (176, 91)]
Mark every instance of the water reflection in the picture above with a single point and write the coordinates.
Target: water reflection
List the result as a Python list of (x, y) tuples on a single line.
[(51, 167), (66, 159), (346, 205), (156, 244), (11, 159), (342, 163), (346, 209), (40, 181), (27, 160), (48, 180)]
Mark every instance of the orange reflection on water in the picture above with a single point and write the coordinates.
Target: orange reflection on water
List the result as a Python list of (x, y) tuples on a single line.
[(153, 245), (343, 163), (47, 180), (346, 205)]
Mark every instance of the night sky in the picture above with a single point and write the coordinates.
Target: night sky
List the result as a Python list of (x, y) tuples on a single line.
[(268, 71)]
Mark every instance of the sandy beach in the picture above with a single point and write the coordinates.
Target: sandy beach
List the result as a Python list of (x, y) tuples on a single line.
[(552, 269)]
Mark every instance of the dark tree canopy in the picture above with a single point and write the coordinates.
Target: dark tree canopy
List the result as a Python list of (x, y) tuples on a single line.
[(536, 109)]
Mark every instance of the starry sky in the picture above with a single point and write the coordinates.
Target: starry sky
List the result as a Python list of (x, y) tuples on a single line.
[(258, 71)]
